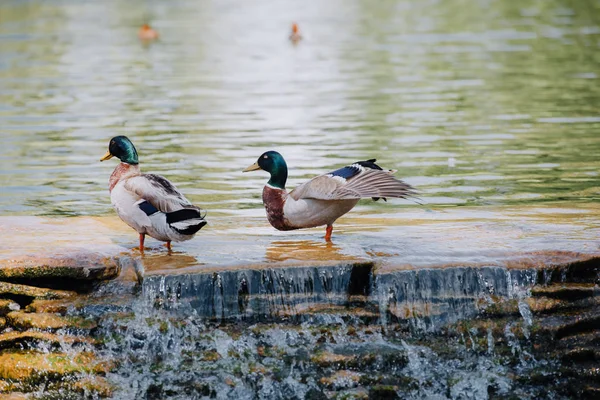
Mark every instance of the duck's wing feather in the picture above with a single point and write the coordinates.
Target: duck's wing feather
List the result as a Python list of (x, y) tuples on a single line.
[(359, 180), (158, 191)]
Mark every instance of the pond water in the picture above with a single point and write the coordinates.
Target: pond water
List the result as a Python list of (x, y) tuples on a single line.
[(490, 108), (475, 103)]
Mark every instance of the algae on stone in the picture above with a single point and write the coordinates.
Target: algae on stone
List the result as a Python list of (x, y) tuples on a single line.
[(22, 320), (30, 366), (7, 288)]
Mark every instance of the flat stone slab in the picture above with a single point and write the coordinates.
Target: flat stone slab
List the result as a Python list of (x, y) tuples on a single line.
[(567, 291), (33, 291), (19, 366), (41, 248), (93, 248), (11, 339), (44, 321)]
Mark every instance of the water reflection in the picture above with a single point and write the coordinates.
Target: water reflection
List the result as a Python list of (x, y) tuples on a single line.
[(309, 250)]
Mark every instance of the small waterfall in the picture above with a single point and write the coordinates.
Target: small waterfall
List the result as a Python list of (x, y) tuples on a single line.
[(310, 332), (257, 295)]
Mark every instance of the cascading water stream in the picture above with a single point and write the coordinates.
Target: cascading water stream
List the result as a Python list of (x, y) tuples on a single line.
[(314, 332)]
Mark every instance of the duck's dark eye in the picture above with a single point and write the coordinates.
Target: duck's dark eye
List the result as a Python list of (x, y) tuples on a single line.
[(266, 157)]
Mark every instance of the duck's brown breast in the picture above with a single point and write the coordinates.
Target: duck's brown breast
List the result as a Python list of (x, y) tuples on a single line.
[(274, 199), (122, 171)]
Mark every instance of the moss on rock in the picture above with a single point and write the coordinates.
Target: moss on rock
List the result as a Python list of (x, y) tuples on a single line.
[(22, 320), (94, 385), (8, 289), (31, 366), (78, 266)]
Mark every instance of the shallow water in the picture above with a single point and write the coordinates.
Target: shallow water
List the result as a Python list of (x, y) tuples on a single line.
[(475, 104)]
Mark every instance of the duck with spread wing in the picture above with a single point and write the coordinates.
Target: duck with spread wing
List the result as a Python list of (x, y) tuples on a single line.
[(325, 198)]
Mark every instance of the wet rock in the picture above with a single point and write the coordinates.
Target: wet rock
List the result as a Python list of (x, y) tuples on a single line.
[(81, 303), (19, 366), (343, 379), (582, 269), (583, 323), (49, 306), (566, 291), (78, 266), (383, 392), (6, 387), (539, 305), (591, 392), (79, 249), (326, 359), (315, 394), (7, 306), (501, 308), (14, 338), (14, 396), (13, 289), (22, 320), (94, 386), (581, 355)]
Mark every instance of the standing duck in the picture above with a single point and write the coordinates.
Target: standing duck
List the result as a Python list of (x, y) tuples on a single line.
[(325, 198), (149, 203)]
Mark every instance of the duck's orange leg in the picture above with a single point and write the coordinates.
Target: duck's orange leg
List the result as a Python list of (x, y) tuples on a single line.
[(168, 244), (328, 233), (142, 237)]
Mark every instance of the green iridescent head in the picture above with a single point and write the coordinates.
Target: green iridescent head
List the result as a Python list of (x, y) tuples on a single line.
[(122, 148), (273, 163)]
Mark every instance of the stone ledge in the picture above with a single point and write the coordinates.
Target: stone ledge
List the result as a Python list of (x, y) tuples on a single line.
[(46, 321), (79, 266), (15, 289), (11, 339), (20, 366)]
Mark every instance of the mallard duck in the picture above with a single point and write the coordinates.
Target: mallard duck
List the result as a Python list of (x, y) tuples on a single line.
[(295, 34), (149, 203), (325, 198), (147, 33)]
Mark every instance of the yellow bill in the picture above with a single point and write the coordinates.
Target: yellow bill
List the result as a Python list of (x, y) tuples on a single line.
[(107, 156), (253, 167)]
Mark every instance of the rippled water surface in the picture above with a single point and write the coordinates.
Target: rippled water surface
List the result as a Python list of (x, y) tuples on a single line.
[(486, 103)]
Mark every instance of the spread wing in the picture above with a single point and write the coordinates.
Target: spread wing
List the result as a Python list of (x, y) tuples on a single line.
[(159, 192), (359, 180)]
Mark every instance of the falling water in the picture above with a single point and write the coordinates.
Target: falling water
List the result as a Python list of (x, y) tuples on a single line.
[(318, 332)]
